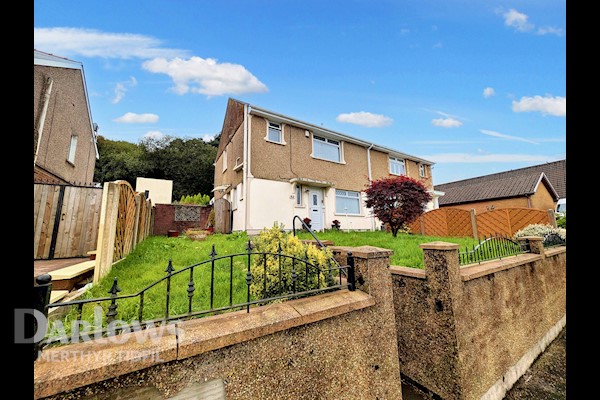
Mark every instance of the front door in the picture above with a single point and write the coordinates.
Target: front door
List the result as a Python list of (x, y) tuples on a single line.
[(315, 202)]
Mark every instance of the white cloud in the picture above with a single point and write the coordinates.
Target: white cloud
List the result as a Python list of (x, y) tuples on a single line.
[(364, 118), (122, 87), (507, 137), (487, 158), (443, 142), (517, 20), (133, 118), (68, 42), (207, 138), (488, 92), (206, 76), (550, 30), (446, 122), (404, 31), (556, 106), (157, 135)]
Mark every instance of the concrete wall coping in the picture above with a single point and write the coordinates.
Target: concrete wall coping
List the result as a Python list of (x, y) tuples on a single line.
[(370, 252), (555, 250), (407, 271), (439, 246), (532, 238), (474, 271), (67, 367)]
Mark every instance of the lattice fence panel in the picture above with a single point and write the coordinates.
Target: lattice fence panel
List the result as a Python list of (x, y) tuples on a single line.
[(125, 221), (494, 222), (521, 217), (458, 222)]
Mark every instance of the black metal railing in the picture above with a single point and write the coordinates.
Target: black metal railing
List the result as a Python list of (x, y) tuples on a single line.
[(312, 233), (494, 247), (292, 277), (554, 239)]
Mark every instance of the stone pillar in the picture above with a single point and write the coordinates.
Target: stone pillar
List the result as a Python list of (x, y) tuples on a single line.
[(536, 244), (444, 299), (372, 270)]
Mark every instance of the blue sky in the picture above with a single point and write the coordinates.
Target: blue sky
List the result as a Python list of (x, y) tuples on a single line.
[(477, 87)]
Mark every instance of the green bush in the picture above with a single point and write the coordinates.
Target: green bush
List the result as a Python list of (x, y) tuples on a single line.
[(201, 199), (540, 230), (562, 221), (268, 241)]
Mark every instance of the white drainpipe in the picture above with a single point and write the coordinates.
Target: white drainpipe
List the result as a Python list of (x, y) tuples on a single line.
[(42, 119), (370, 179)]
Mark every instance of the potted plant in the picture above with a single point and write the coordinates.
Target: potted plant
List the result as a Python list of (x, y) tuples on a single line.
[(335, 224), (210, 223), (307, 221)]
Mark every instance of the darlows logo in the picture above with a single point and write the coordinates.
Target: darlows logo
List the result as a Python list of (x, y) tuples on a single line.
[(85, 331)]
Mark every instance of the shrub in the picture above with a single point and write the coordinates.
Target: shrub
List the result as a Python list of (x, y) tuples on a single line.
[(210, 222), (562, 221), (201, 199), (335, 224), (268, 241), (540, 230)]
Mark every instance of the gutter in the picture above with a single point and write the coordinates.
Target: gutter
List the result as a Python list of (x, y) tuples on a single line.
[(42, 118), (246, 166)]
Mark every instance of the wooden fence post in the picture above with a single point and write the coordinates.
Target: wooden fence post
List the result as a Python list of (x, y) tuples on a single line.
[(105, 247), (136, 223), (422, 225), (474, 224), (552, 217)]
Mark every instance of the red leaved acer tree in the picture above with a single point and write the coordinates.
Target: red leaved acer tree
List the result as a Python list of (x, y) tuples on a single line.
[(397, 200)]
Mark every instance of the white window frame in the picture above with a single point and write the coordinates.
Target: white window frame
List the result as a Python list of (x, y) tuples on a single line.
[(279, 127), (234, 199), (358, 198), (72, 149), (422, 171), (328, 142), (397, 161), (224, 158), (298, 196)]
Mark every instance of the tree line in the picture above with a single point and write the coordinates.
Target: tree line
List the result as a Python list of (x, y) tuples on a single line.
[(188, 162)]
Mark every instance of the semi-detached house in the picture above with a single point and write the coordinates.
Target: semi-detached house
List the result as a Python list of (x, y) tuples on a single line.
[(271, 167)]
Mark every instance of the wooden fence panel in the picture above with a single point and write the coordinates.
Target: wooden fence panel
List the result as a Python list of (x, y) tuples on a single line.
[(434, 222), (123, 223), (521, 217), (494, 222), (458, 222)]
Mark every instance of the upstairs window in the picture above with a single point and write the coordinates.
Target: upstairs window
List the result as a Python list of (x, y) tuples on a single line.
[(274, 133), (422, 170), (327, 149), (224, 160), (397, 166)]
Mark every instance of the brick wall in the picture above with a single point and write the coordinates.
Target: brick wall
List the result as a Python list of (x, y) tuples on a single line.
[(179, 217)]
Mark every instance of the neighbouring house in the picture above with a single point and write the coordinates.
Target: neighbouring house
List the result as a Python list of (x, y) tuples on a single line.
[(538, 186), (271, 167), (64, 134)]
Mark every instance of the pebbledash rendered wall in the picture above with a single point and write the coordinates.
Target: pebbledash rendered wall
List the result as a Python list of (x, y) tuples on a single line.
[(470, 332), (338, 345)]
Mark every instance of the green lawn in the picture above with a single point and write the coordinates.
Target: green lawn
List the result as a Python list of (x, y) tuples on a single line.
[(406, 247), (147, 264)]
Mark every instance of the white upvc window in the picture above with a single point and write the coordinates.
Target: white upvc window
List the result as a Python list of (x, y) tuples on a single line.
[(422, 170), (274, 132), (233, 199), (224, 157), (397, 166), (72, 149), (347, 202), (298, 196), (327, 149)]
